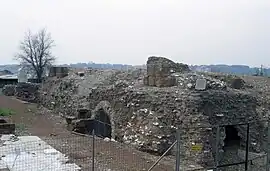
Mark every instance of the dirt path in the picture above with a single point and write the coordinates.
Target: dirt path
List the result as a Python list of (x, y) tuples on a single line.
[(108, 155)]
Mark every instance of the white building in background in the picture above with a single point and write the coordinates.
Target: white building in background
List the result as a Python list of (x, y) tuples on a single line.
[(22, 75)]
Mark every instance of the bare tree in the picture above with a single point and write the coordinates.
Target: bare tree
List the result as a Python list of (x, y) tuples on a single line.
[(35, 52)]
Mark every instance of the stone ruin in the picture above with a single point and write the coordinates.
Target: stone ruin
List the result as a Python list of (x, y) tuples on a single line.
[(28, 92), (145, 111), (159, 72), (59, 72)]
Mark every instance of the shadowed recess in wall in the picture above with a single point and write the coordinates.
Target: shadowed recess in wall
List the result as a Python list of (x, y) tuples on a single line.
[(232, 137), (103, 124)]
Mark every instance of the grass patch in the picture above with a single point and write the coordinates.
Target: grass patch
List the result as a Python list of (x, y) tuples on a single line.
[(6, 112)]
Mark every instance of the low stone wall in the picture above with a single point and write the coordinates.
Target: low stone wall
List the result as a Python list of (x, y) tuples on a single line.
[(9, 90), (24, 91), (28, 92)]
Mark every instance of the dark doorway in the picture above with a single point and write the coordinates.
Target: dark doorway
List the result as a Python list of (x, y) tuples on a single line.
[(232, 138), (231, 147), (102, 124)]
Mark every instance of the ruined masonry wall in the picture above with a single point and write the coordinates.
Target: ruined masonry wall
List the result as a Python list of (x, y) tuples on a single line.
[(148, 119)]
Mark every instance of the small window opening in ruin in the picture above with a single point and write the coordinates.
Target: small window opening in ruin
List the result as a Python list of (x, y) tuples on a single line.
[(103, 124), (232, 138)]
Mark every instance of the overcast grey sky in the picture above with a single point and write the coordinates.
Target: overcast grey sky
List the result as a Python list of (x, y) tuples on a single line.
[(125, 31)]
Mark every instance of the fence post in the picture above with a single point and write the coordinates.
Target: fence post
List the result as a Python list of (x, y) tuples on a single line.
[(217, 148), (93, 150), (178, 145), (247, 148), (268, 145), (161, 157)]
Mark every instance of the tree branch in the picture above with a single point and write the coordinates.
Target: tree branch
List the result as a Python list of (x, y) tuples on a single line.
[(35, 50)]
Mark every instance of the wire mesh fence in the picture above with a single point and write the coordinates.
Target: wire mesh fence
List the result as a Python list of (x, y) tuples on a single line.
[(222, 147), (230, 147)]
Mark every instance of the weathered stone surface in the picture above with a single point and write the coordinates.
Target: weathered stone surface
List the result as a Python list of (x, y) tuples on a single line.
[(59, 72), (24, 91), (148, 116), (83, 113), (159, 70), (9, 90), (164, 66), (27, 92), (200, 84), (237, 83), (165, 81)]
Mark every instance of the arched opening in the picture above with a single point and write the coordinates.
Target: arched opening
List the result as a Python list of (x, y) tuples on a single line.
[(232, 138), (102, 124), (231, 146)]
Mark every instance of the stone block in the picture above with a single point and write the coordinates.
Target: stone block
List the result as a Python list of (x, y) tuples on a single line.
[(237, 83), (83, 113), (151, 81), (200, 84), (151, 70), (161, 74), (161, 68), (165, 81), (58, 72), (145, 81), (69, 119)]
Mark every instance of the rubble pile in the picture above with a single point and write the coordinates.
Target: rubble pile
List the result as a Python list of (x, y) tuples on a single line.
[(24, 91), (27, 92), (146, 107), (188, 80), (69, 94), (9, 90)]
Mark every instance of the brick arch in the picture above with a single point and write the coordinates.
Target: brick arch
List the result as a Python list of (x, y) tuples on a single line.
[(106, 107)]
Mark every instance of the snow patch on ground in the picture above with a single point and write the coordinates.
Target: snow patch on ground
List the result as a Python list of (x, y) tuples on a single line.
[(33, 154)]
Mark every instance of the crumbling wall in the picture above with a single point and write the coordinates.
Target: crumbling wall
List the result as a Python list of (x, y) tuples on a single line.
[(159, 70), (9, 90), (24, 91), (230, 108), (67, 95), (27, 92), (148, 116)]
